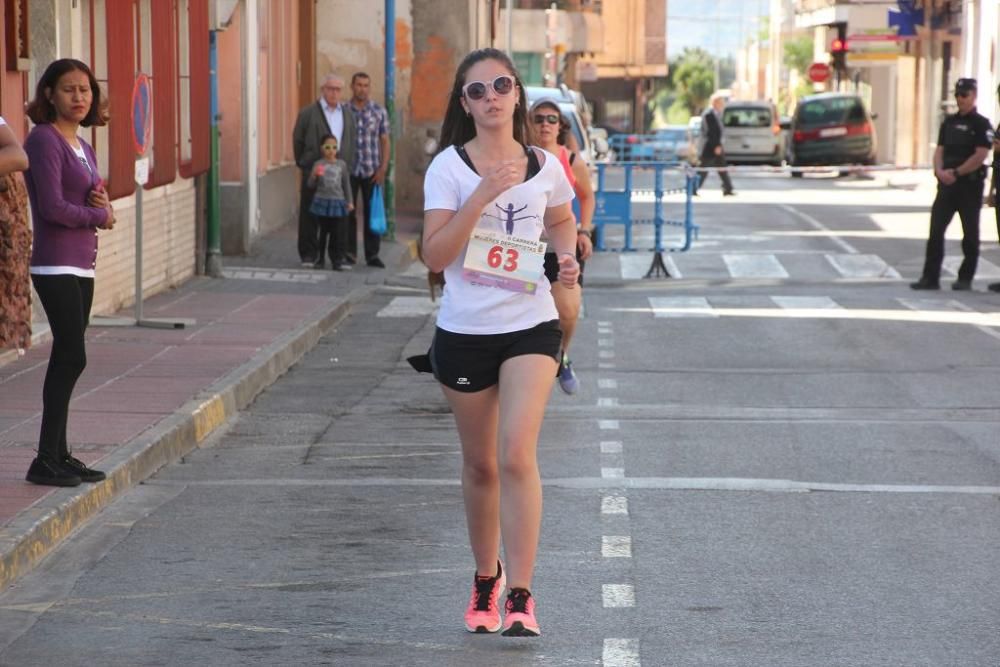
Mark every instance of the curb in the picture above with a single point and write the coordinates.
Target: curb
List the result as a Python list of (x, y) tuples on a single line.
[(36, 531)]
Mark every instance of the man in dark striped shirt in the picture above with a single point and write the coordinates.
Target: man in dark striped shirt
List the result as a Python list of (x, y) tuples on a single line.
[(370, 164)]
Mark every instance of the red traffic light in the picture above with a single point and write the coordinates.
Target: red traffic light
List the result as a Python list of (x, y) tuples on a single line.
[(839, 45)]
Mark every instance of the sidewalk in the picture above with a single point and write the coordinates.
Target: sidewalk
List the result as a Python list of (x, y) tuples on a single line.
[(148, 396)]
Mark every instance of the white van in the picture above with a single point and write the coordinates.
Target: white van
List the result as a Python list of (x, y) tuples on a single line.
[(752, 133)]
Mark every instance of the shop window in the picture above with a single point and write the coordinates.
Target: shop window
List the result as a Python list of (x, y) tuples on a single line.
[(121, 65), (163, 76)]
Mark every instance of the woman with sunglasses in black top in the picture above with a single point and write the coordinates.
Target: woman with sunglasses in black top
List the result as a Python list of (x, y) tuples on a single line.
[(551, 132), (488, 198)]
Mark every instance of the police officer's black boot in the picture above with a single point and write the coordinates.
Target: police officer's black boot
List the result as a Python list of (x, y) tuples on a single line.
[(925, 284)]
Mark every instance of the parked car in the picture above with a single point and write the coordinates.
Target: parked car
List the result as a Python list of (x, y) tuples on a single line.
[(832, 129), (752, 133), (670, 143), (568, 106)]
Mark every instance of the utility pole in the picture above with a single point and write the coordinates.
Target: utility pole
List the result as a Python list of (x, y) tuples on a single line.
[(390, 109)]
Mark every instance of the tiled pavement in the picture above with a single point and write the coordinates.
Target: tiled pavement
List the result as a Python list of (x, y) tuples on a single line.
[(149, 395)]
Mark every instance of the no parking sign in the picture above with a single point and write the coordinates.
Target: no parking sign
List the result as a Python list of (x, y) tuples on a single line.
[(141, 123)]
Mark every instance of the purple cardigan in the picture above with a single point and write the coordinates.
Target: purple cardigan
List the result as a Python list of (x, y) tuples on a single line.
[(58, 185)]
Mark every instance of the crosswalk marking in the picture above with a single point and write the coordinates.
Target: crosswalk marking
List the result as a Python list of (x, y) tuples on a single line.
[(985, 269), (798, 302), (754, 266), (636, 265), (928, 310), (861, 266), (680, 306), (934, 305), (633, 266)]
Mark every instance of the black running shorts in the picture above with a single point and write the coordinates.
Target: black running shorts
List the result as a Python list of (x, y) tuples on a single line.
[(471, 363), (552, 267)]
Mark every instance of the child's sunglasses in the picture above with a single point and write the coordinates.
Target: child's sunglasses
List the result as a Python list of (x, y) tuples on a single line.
[(550, 118), (476, 90)]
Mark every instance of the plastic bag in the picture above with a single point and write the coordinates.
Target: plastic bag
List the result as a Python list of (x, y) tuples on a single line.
[(377, 204)]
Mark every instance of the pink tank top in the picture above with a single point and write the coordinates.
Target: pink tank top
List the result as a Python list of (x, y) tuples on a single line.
[(567, 167)]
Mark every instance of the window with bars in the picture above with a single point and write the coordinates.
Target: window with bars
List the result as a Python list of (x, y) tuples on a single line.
[(121, 42)]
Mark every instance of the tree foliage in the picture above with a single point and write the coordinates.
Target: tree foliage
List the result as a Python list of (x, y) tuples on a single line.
[(693, 79), (799, 54)]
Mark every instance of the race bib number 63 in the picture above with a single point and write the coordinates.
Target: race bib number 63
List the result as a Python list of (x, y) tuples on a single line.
[(506, 262)]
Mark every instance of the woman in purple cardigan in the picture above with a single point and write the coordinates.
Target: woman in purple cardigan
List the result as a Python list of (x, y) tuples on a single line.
[(68, 205)]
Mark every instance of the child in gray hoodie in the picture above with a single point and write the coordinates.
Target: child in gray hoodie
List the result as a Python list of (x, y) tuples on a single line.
[(331, 204)]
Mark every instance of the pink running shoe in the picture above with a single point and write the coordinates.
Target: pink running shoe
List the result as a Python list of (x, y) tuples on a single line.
[(519, 614), (483, 613)]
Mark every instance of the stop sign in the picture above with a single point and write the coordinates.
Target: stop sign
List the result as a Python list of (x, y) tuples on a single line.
[(819, 72)]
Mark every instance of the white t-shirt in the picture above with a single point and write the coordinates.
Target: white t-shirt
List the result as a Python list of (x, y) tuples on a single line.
[(468, 308), (334, 118)]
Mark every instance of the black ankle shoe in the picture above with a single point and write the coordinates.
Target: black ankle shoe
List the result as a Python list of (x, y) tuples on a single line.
[(925, 284), (50, 472), (79, 468)]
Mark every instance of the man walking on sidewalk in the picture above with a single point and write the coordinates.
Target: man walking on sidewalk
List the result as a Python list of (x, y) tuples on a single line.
[(326, 116), (369, 167), (712, 154)]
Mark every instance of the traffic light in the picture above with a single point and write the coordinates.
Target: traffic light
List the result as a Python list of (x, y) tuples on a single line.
[(839, 48)]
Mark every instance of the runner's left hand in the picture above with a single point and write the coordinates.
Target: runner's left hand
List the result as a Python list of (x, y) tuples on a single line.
[(569, 270)]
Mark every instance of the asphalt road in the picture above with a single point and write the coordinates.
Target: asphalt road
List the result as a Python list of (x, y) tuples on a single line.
[(761, 469)]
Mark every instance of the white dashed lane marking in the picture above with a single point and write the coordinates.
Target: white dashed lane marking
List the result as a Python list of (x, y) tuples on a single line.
[(614, 505), (620, 653), (618, 595), (616, 546)]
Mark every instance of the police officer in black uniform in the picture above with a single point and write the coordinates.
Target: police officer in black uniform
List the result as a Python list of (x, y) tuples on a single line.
[(963, 143)]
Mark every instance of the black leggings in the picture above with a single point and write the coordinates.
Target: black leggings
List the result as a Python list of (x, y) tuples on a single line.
[(66, 299)]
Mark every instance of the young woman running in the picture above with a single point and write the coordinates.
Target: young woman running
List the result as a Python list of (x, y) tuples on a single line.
[(551, 131), (487, 199)]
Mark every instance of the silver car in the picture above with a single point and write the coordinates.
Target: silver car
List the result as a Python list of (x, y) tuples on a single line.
[(752, 133)]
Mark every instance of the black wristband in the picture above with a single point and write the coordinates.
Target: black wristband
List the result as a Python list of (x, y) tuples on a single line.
[(583, 231)]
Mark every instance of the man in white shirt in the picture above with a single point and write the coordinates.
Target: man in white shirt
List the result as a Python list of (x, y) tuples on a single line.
[(325, 116)]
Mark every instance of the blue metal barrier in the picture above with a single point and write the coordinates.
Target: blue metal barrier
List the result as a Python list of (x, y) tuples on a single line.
[(615, 207)]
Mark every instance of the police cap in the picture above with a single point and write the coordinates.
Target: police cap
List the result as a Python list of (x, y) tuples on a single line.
[(965, 86)]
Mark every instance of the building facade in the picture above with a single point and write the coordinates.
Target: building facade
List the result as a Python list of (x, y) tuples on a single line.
[(904, 58), (118, 40)]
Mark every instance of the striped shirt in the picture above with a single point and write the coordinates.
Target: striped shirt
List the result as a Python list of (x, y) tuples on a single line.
[(372, 123)]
